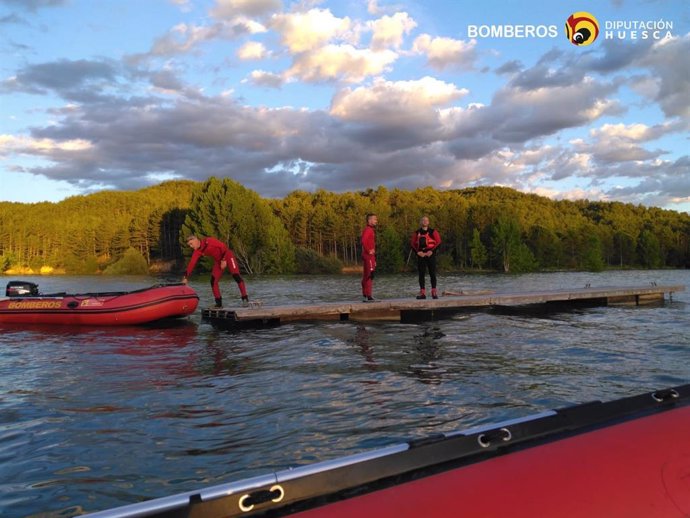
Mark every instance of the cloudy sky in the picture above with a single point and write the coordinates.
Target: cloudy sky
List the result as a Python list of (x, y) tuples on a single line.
[(344, 95)]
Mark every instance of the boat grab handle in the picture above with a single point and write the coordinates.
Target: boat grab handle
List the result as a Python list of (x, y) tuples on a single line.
[(665, 395), (248, 501), (485, 439)]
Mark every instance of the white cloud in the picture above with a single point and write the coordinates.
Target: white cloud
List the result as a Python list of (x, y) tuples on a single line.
[(388, 31), (517, 114), (252, 50), (301, 32), (614, 144), (534, 156), (263, 78), (637, 132), (576, 193), (631, 132), (189, 35), (646, 86), (667, 61), (340, 62), (184, 5), (228, 9), (375, 9), (183, 38), (28, 145), (372, 7), (394, 99), (445, 52)]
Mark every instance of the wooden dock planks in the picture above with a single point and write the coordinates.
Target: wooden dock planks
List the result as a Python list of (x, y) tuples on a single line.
[(413, 310)]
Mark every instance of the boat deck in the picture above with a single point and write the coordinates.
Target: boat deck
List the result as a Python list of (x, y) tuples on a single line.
[(413, 310)]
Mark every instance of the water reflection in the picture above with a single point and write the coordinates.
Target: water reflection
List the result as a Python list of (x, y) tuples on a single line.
[(426, 355), (218, 357), (362, 341)]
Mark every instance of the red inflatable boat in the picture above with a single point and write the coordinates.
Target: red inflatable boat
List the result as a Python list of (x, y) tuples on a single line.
[(24, 305), (627, 458)]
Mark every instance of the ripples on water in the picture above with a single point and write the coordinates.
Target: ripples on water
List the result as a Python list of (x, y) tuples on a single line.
[(96, 418)]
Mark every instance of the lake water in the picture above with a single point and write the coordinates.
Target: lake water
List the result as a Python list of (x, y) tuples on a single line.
[(94, 418)]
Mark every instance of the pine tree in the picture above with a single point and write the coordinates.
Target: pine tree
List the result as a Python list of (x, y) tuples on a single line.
[(592, 258), (478, 251), (389, 255), (648, 250), (240, 218), (505, 240)]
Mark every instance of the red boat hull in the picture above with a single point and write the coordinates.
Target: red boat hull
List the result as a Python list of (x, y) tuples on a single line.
[(101, 309), (634, 469), (625, 458)]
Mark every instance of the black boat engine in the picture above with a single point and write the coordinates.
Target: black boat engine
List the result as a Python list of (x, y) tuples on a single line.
[(21, 289)]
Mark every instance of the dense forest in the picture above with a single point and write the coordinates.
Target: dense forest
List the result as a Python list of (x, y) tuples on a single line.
[(482, 228)]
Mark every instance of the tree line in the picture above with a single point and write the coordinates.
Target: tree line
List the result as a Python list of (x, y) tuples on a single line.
[(483, 228), (86, 234)]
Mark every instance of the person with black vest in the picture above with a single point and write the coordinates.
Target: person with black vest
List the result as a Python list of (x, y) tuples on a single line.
[(222, 258), (424, 242)]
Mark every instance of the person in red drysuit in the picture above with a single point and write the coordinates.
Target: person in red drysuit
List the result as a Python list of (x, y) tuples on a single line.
[(222, 258), (424, 242), (369, 257)]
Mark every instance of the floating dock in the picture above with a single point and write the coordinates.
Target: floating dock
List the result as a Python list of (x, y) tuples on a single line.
[(413, 310)]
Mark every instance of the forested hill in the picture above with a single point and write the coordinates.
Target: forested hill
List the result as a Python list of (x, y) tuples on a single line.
[(84, 234), (484, 228)]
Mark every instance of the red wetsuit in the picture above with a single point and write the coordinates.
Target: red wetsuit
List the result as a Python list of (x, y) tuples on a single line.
[(212, 247), (368, 260)]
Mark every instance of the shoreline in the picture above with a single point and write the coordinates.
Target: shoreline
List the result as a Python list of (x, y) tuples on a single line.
[(346, 270)]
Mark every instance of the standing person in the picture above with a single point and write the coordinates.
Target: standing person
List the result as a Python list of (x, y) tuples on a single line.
[(369, 257), (222, 258), (424, 242)]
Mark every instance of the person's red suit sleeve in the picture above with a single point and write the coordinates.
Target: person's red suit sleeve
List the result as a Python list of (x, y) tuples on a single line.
[(192, 262), (414, 242)]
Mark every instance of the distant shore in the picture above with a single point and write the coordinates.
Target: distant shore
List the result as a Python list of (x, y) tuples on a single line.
[(44, 270), (47, 271)]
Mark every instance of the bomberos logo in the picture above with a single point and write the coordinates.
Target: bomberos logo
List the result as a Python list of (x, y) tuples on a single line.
[(581, 28), (35, 304)]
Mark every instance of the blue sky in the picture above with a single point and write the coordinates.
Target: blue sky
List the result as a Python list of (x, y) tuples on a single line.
[(345, 95)]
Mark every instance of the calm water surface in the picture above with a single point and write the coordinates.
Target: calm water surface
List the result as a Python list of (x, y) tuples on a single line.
[(93, 418)]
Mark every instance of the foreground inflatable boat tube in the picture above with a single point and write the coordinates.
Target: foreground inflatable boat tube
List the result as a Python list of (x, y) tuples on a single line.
[(629, 457)]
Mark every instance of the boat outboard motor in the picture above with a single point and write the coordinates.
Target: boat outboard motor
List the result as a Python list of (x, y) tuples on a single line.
[(21, 289)]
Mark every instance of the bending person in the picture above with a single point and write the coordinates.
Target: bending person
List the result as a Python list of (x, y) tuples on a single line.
[(222, 258)]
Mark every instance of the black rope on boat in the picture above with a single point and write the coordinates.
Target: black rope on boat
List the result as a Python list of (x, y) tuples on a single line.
[(665, 395), (104, 294), (485, 439)]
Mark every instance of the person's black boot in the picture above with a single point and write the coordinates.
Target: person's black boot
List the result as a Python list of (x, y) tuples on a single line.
[(219, 302), (245, 300)]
